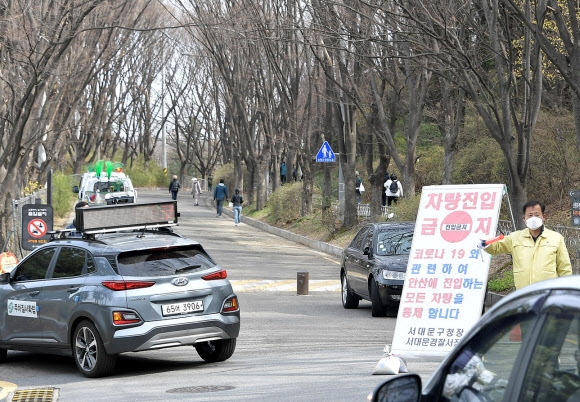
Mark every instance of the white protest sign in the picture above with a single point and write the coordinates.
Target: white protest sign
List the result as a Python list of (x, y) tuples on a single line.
[(447, 274)]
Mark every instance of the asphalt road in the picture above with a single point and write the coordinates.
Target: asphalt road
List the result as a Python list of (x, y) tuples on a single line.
[(291, 347)]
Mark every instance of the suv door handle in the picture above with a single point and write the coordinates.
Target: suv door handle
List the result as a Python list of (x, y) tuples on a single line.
[(34, 292), (72, 290)]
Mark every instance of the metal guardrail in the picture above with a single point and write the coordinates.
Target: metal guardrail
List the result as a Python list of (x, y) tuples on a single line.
[(365, 210)]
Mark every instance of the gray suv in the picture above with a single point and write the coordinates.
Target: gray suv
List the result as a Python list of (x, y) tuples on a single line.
[(126, 286)]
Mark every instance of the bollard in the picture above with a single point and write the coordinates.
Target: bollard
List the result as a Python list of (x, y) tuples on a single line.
[(302, 283)]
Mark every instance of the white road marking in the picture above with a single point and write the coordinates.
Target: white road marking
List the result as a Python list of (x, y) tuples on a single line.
[(7, 387)]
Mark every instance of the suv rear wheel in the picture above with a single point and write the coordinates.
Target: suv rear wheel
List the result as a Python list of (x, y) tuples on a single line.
[(89, 352), (216, 351)]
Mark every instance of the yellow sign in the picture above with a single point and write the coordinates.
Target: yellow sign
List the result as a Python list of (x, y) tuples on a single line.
[(165, 171)]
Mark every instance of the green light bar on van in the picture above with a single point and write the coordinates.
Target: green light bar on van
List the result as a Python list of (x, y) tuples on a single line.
[(116, 217)]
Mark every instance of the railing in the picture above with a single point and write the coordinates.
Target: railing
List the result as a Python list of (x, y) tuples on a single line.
[(365, 210)]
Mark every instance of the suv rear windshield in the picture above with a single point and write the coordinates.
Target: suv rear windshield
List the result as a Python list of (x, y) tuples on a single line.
[(394, 242), (162, 262)]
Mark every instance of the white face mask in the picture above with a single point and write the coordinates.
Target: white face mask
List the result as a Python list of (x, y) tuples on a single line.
[(534, 222)]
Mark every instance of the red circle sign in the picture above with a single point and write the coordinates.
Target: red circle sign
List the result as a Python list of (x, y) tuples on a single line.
[(456, 226), (37, 228)]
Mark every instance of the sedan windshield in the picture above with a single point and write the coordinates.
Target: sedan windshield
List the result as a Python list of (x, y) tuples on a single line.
[(162, 262), (394, 242)]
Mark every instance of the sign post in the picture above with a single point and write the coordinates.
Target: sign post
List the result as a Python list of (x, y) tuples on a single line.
[(447, 274), (575, 207), (37, 220)]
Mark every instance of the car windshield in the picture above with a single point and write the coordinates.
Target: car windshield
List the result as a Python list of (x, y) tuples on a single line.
[(394, 242), (112, 186), (162, 262)]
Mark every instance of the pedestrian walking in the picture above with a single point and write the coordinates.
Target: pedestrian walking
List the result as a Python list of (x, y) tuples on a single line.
[(195, 190), (394, 189), (537, 253), (220, 194), (384, 193), (360, 188), (283, 173), (174, 187), (209, 182), (237, 200)]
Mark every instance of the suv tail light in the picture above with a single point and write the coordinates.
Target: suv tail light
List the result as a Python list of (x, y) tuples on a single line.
[(221, 274), (127, 285), (230, 305), (125, 317)]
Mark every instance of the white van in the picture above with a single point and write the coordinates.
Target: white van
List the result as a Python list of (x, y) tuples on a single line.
[(115, 188)]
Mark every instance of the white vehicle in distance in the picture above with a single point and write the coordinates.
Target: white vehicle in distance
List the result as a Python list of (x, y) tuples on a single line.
[(106, 186)]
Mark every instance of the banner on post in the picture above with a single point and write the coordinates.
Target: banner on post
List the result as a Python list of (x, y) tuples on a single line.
[(447, 274)]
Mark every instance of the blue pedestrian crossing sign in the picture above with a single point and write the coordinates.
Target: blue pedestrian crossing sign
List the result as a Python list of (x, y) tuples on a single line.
[(325, 154)]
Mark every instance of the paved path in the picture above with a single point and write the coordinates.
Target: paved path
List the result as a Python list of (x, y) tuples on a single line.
[(270, 263)]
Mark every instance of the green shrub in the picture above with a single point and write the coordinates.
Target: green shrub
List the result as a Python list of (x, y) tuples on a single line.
[(62, 195), (501, 282), (153, 176), (286, 202), (406, 208)]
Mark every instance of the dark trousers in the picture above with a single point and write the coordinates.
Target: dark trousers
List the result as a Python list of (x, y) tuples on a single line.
[(219, 206), (174, 195), (391, 199)]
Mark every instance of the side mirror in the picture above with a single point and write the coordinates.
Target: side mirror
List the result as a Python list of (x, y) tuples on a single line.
[(76, 189), (368, 251), (5, 277), (405, 387)]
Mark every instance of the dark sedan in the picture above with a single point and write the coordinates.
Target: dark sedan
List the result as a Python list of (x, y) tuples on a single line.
[(525, 348), (373, 266)]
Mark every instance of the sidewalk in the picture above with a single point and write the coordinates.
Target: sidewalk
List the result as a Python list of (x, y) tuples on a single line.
[(207, 200)]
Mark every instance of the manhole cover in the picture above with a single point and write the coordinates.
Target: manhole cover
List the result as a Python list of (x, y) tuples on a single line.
[(33, 395), (200, 389)]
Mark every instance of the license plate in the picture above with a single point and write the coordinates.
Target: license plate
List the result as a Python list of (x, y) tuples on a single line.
[(182, 308)]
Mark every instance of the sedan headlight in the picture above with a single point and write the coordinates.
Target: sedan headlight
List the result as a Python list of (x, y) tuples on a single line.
[(393, 275)]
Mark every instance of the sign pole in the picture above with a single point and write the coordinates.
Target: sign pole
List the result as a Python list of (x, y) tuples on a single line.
[(341, 195)]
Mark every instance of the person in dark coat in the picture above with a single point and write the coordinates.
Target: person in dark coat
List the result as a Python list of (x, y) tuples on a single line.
[(237, 200), (174, 187), (220, 194)]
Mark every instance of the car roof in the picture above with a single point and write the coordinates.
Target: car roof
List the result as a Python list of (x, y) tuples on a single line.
[(115, 243)]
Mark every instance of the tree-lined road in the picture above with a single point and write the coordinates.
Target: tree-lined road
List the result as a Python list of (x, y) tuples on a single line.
[(290, 347)]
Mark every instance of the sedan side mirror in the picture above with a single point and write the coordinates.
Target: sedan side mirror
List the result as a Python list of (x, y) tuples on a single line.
[(369, 252), (5, 277), (405, 387), (75, 189)]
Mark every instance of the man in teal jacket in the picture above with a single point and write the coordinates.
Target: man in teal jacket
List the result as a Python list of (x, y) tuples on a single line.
[(537, 253)]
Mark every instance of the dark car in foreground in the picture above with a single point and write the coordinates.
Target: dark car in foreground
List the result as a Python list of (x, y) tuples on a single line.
[(525, 348), (373, 266), (129, 284)]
